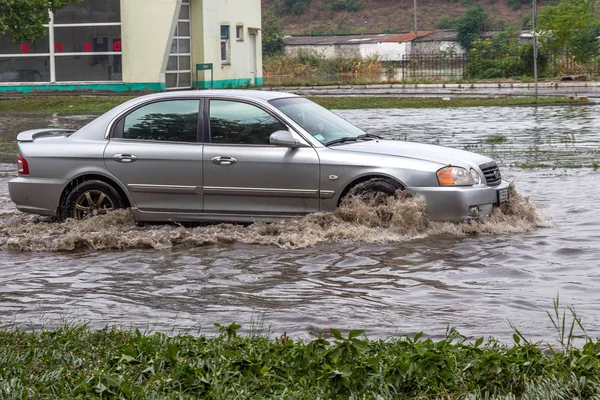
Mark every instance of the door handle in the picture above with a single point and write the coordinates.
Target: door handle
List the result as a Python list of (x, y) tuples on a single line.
[(124, 158), (223, 160)]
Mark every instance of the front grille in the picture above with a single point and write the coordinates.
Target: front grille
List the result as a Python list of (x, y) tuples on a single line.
[(491, 173)]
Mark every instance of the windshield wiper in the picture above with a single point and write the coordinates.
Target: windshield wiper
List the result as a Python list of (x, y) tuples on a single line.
[(342, 140), (365, 136), (369, 136)]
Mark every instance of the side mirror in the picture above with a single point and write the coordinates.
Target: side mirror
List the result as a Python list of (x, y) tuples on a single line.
[(285, 139)]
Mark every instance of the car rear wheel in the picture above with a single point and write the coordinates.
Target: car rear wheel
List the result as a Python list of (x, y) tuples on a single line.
[(89, 199)]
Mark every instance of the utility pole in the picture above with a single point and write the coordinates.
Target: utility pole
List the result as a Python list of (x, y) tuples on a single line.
[(535, 50), (415, 17)]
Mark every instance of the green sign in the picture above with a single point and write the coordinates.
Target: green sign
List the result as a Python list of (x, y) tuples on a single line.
[(204, 67)]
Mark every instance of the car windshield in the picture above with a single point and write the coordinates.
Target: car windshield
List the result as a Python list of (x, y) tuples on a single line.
[(324, 125)]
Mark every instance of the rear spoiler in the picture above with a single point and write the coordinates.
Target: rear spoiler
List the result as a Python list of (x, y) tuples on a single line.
[(31, 135)]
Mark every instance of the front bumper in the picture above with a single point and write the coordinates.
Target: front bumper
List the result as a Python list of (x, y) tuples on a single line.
[(456, 203), (36, 195)]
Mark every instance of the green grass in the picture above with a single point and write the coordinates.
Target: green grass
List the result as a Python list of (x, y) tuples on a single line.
[(557, 164), (65, 104), (496, 139), (74, 361), (96, 105)]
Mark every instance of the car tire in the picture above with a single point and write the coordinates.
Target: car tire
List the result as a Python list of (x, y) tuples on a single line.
[(90, 198), (374, 191)]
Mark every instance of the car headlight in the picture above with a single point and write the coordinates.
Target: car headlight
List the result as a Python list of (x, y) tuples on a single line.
[(458, 176)]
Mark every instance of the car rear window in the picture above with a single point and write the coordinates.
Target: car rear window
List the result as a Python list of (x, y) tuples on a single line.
[(172, 121)]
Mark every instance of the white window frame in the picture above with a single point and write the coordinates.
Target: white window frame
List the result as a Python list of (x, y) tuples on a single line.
[(53, 54), (239, 33), (226, 41), (177, 53)]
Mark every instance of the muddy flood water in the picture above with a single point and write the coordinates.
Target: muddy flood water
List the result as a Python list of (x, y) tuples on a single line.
[(349, 269)]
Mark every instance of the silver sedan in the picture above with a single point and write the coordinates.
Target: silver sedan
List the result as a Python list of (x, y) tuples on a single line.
[(237, 155)]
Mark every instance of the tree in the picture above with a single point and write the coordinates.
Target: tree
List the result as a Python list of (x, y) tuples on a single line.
[(272, 36), (24, 19), (570, 28), (502, 56), (584, 43), (471, 25)]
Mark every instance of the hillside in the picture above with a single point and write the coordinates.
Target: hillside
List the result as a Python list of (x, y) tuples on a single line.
[(391, 15)]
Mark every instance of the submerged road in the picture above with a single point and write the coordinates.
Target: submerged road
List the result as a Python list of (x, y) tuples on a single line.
[(319, 272)]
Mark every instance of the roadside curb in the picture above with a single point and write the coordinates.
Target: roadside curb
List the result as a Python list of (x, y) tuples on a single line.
[(481, 89)]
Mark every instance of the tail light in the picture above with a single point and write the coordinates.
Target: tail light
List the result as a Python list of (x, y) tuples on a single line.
[(23, 166)]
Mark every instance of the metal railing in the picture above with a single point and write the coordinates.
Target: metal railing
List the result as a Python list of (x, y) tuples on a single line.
[(432, 67)]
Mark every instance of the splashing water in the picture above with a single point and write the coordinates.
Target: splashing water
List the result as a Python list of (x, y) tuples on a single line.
[(383, 221)]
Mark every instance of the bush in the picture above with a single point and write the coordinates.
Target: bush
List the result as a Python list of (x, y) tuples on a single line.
[(526, 54), (296, 7), (503, 57), (515, 4), (446, 22), (312, 58), (348, 5), (310, 61)]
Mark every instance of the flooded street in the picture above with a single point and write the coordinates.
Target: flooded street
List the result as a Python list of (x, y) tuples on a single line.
[(346, 269)]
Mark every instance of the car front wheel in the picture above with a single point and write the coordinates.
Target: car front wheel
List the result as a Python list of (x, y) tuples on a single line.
[(375, 191), (91, 198)]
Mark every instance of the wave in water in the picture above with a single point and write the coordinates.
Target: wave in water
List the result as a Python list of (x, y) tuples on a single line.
[(383, 221)]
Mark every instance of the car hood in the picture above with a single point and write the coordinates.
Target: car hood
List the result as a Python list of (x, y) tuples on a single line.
[(420, 151)]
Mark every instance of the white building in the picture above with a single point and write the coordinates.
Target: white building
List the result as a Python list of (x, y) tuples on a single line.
[(387, 47), (121, 45), (436, 43)]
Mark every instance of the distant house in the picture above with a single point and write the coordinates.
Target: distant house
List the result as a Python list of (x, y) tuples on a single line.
[(436, 43), (388, 47)]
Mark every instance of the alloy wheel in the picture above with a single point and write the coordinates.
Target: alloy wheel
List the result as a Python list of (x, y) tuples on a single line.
[(91, 203)]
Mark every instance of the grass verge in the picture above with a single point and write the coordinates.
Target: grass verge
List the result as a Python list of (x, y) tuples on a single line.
[(73, 361), (62, 104), (100, 104)]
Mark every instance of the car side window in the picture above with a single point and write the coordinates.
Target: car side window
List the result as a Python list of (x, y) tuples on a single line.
[(171, 121), (234, 122)]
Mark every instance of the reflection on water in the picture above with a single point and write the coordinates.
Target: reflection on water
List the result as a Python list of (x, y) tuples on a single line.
[(346, 269)]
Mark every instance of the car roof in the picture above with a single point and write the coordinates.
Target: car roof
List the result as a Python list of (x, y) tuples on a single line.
[(264, 95), (97, 128)]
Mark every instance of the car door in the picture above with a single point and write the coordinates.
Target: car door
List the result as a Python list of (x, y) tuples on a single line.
[(245, 174), (154, 150)]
